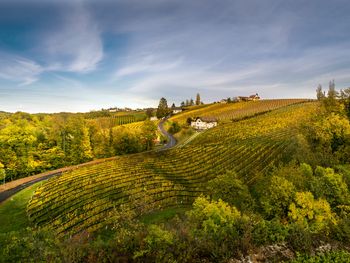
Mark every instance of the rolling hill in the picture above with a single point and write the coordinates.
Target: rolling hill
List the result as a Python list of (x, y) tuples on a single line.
[(84, 199)]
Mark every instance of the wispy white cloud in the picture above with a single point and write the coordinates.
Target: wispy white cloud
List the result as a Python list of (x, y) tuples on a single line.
[(148, 64), (76, 45), (19, 69)]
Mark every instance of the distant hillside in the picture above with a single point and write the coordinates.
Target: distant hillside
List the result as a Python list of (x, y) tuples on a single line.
[(83, 199), (232, 111)]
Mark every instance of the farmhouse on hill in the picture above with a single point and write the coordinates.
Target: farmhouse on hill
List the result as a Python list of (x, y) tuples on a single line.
[(250, 98), (203, 123), (176, 110)]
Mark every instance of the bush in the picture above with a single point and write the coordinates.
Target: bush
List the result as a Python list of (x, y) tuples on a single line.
[(299, 238), (330, 257), (174, 127), (269, 232), (229, 188)]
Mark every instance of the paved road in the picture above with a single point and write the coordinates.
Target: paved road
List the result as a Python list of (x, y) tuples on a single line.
[(8, 193), (171, 140)]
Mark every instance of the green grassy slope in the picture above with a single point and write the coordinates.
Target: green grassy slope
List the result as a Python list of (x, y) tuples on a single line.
[(13, 213)]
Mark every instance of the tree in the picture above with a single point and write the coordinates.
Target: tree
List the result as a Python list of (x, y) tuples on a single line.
[(2, 173), (162, 109), (198, 99), (182, 104), (191, 102), (174, 127), (277, 196), (149, 134), (149, 112), (331, 102), (306, 211), (173, 106), (345, 98), (229, 188), (319, 93)]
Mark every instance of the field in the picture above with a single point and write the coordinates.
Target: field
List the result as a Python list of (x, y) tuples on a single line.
[(115, 119), (234, 111), (84, 199)]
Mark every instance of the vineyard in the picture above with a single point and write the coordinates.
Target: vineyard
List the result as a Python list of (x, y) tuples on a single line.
[(117, 119), (235, 111), (85, 198)]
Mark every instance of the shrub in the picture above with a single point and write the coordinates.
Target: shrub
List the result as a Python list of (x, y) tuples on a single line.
[(306, 211), (232, 190), (276, 197), (269, 232)]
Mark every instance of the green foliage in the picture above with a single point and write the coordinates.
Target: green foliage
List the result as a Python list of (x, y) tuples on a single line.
[(162, 109), (300, 237), (276, 197), (316, 214), (174, 127), (13, 213), (269, 232), (213, 219), (331, 186), (218, 229), (329, 257), (156, 244), (229, 188)]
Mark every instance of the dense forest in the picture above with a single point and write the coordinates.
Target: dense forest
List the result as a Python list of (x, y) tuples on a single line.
[(298, 210), (34, 143)]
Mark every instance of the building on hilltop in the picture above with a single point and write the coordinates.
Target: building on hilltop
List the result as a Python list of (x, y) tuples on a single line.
[(254, 97), (176, 110), (250, 98), (204, 123)]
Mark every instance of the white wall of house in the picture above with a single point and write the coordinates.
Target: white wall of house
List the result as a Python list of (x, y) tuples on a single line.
[(176, 111), (202, 125)]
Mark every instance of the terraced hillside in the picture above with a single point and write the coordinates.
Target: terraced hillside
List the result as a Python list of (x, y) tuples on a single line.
[(83, 199), (120, 118), (235, 111)]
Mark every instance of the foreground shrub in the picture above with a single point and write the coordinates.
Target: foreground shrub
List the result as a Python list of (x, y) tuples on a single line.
[(316, 214), (330, 257), (218, 228)]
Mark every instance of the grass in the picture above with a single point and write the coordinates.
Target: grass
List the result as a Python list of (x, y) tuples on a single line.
[(13, 211), (163, 215)]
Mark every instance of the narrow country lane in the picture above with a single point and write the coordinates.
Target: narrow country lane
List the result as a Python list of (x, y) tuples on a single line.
[(171, 140)]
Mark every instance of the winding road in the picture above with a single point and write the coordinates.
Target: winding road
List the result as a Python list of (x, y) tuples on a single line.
[(171, 140), (10, 188)]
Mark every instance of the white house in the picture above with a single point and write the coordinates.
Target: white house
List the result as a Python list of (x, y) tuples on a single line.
[(153, 118), (203, 123), (176, 110)]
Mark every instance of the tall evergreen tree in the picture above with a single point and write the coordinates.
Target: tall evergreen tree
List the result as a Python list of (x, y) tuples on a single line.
[(198, 99), (191, 102), (183, 104), (162, 109)]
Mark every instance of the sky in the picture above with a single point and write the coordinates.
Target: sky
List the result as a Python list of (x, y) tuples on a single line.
[(86, 55)]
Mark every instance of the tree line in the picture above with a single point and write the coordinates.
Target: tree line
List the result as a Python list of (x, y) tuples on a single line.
[(34, 143)]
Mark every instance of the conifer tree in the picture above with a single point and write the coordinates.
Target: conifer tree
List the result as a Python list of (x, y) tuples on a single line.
[(162, 109), (198, 99)]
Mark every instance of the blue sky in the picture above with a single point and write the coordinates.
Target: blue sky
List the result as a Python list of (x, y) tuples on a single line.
[(84, 55)]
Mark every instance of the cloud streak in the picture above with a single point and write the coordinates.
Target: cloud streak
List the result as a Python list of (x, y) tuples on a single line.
[(18, 69), (76, 46)]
